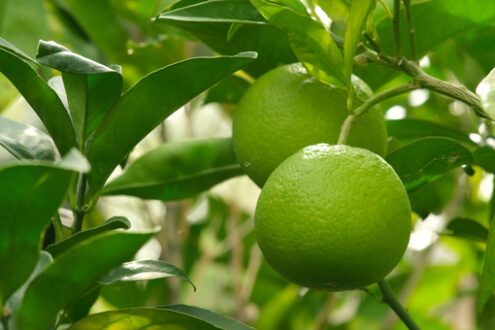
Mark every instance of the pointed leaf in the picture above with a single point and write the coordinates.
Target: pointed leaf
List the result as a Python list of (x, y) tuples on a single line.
[(310, 41), (111, 224), (26, 142), (44, 101), (91, 87), (467, 228), (427, 159), (485, 158), (25, 211), (211, 317), (142, 318), (148, 103), (178, 170), (486, 91), (143, 270), (231, 11), (359, 12), (74, 273)]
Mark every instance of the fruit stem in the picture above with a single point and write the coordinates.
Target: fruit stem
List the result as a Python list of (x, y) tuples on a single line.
[(369, 103), (390, 299)]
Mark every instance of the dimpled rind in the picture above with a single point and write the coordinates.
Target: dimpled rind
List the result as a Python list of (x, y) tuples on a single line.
[(286, 109), (333, 217)]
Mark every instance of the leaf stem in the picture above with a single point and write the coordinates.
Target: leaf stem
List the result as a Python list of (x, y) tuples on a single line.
[(390, 299), (412, 32), (396, 22), (80, 211), (369, 103)]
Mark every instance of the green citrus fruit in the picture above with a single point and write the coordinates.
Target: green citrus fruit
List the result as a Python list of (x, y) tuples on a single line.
[(286, 109), (333, 217)]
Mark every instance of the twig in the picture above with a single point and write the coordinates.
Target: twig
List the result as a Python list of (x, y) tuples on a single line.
[(396, 22), (390, 299), (368, 104), (412, 32)]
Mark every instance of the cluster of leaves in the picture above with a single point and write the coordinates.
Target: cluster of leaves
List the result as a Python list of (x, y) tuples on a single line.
[(93, 120)]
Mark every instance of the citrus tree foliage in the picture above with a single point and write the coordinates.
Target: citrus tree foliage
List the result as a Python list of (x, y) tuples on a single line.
[(122, 198)]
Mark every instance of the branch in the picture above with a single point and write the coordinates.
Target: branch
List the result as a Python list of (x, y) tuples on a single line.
[(369, 103), (412, 32), (390, 299), (396, 22)]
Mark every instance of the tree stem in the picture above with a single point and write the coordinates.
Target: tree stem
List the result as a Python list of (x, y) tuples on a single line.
[(80, 211), (390, 299)]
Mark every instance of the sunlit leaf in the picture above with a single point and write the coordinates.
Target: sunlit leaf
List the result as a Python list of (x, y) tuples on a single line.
[(143, 270), (26, 142), (486, 91), (467, 228)]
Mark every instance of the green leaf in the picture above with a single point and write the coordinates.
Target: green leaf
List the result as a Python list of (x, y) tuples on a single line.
[(25, 212), (432, 197), (26, 142), (467, 228), (219, 11), (485, 158), (178, 170), (487, 282), (229, 90), (359, 12), (337, 10), (111, 224), (436, 22), (97, 18), (143, 270), (142, 318), (91, 87), (15, 300), (148, 103), (310, 41), (271, 44), (213, 318), (486, 91), (17, 67), (411, 129), (23, 22), (427, 159), (73, 274)]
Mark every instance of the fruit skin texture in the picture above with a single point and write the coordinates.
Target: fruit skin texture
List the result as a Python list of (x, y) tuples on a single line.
[(333, 217), (286, 109)]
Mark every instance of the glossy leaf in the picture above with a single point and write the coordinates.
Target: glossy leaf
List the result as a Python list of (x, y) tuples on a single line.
[(411, 129), (148, 103), (18, 68), (25, 212), (143, 270), (216, 319), (337, 10), (427, 159), (74, 273), (98, 20), (486, 91), (487, 282), (178, 170), (485, 157), (436, 22), (310, 41), (359, 12), (220, 11), (26, 142), (142, 318), (91, 87), (15, 300), (111, 224), (467, 228), (271, 44)]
